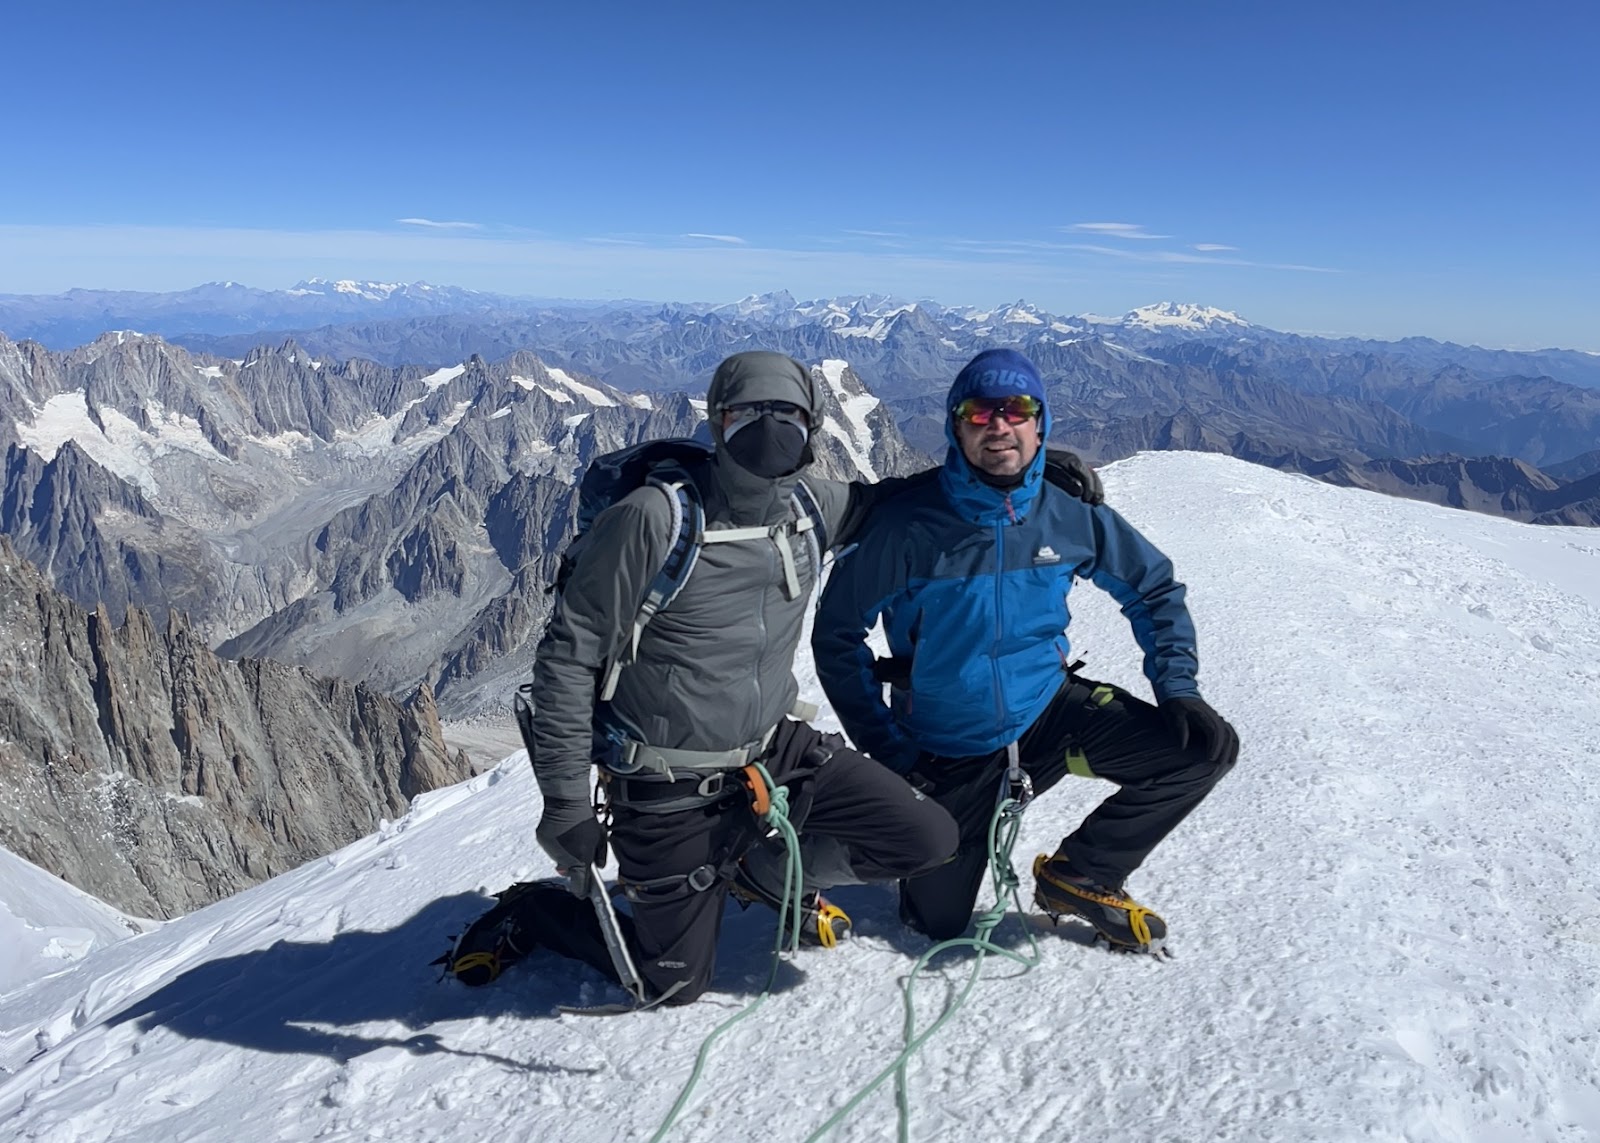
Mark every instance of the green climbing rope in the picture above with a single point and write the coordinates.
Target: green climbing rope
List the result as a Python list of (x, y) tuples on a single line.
[(792, 909), (1004, 826), (1003, 829)]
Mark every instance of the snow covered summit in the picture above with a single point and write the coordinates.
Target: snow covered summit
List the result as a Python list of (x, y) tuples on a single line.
[(1183, 316), (1385, 919)]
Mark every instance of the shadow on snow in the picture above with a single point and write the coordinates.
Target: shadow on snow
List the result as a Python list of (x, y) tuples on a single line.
[(320, 998)]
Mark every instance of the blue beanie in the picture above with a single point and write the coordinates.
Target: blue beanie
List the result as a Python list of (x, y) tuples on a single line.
[(996, 373)]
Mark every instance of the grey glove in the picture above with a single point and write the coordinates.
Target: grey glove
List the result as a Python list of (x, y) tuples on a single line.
[(574, 838)]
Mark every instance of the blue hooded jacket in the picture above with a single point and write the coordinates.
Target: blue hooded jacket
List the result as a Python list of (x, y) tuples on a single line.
[(971, 582)]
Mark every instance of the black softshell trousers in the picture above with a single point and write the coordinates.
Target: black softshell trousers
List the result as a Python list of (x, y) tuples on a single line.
[(1090, 728), (889, 830)]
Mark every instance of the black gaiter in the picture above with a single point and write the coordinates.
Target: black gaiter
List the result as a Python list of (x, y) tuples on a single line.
[(767, 447)]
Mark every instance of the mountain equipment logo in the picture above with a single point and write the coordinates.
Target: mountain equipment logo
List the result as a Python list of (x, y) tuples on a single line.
[(1046, 555)]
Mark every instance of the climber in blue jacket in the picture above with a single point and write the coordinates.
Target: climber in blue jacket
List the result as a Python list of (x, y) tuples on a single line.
[(970, 574)]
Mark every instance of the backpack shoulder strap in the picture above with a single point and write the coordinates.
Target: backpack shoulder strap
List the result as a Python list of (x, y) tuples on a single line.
[(807, 508), (808, 518), (688, 528), (688, 532)]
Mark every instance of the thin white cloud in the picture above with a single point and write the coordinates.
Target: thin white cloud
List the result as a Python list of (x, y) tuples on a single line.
[(1025, 246), (431, 224), (875, 233), (1180, 258), (731, 239), (1210, 246), (1114, 230)]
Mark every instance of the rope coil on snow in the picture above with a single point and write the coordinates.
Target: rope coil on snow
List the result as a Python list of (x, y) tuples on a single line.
[(1004, 827)]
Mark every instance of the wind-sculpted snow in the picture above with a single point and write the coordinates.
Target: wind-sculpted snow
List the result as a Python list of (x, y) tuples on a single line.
[(1385, 919)]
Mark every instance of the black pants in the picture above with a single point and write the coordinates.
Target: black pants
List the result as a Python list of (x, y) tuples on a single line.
[(889, 830), (1089, 728)]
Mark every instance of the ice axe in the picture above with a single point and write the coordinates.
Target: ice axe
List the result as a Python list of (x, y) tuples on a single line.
[(611, 931), (595, 890)]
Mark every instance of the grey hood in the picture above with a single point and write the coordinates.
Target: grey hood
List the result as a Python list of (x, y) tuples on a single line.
[(734, 495)]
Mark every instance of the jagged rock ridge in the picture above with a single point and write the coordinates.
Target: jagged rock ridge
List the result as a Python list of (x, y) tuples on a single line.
[(145, 770)]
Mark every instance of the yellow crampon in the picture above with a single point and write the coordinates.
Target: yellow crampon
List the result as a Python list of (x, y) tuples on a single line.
[(827, 915), (470, 969), (1138, 915)]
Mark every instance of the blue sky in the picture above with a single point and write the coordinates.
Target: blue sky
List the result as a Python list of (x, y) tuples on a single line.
[(1376, 168)]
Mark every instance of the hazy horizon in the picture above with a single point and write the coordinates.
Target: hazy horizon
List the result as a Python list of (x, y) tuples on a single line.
[(983, 303)]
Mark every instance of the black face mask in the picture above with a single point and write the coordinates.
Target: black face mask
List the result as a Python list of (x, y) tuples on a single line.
[(768, 448)]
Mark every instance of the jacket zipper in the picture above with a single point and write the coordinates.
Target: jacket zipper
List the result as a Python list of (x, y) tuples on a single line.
[(999, 617)]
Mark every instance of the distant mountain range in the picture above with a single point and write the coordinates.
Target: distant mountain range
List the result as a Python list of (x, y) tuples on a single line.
[(1124, 383), (62, 321), (418, 323)]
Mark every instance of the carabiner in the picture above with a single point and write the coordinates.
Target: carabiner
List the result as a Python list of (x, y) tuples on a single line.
[(1016, 786)]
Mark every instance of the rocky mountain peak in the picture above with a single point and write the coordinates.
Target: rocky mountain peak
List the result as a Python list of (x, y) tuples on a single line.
[(158, 777)]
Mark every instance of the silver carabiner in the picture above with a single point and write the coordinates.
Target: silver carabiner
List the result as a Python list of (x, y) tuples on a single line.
[(1016, 785)]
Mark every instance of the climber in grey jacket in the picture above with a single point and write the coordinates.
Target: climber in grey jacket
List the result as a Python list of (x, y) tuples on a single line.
[(708, 689)]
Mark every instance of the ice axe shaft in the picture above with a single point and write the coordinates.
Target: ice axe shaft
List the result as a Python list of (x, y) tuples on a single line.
[(611, 930)]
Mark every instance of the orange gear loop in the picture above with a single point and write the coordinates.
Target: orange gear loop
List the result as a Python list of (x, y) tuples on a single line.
[(760, 793)]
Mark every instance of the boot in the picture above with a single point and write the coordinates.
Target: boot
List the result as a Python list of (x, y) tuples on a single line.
[(822, 923), (1122, 921), (502, 936)]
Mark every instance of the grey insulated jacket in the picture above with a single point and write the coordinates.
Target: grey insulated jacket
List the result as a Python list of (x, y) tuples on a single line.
[(714, 670)]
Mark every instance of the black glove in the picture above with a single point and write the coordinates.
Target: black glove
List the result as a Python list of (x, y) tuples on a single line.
[(1068, 472), (574, 838), (1193, 717)]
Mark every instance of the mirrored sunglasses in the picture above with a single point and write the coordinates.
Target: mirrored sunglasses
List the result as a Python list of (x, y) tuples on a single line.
[(982, 410), (785, 411)]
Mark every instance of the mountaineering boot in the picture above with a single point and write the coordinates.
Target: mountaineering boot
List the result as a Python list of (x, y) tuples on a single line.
[(822, 923), (502, 936), (1122, 921)]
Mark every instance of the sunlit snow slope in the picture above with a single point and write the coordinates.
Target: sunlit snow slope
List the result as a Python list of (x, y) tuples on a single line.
[(46, 924), (1386, 920)]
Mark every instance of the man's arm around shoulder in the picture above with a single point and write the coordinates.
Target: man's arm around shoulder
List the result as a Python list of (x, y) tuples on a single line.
[(859, 588)]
